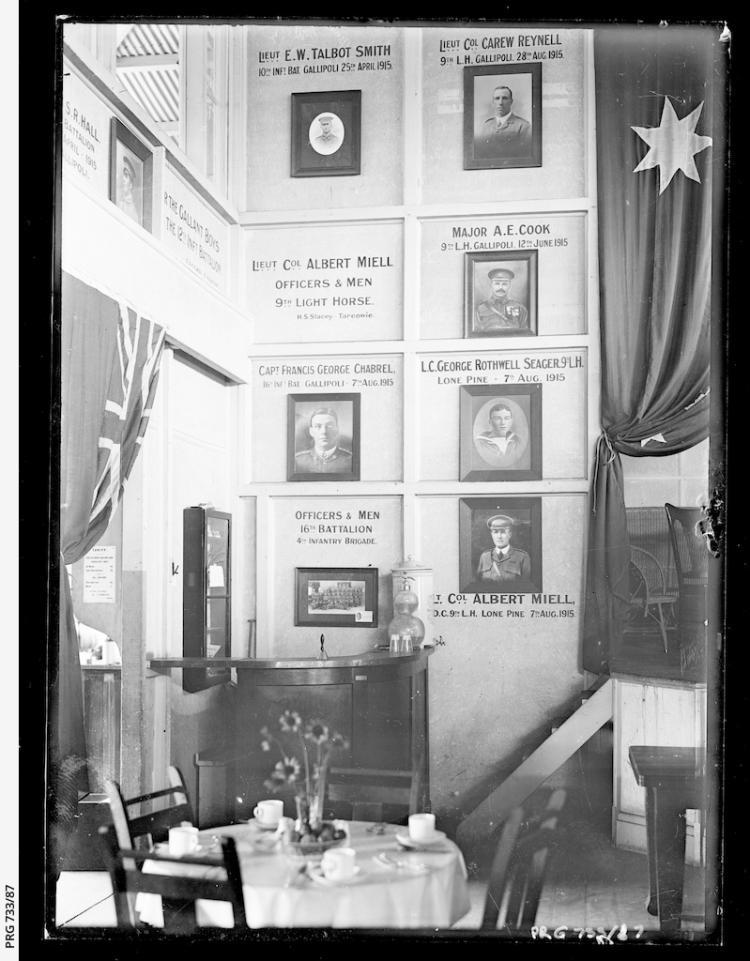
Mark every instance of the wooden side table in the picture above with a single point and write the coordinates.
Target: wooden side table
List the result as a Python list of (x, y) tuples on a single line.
[(674, 778)]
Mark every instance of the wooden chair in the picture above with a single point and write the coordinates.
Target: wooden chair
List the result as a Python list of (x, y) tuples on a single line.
[(691, 556), (149, 816), (648, 591), (519, 868), (689, 548), (372, 792), (179, 892)]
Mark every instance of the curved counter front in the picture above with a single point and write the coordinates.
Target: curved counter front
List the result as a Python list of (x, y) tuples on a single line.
[(377, 700)]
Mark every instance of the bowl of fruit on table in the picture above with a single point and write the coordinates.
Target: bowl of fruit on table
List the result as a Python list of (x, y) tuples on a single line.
[(317, 839)]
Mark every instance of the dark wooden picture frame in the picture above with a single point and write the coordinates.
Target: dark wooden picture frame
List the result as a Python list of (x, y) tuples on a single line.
[(341, 413), (488, 410), (475, 542), (130, 174), (520, 145), (515, 314), (330, 148), (336, 597)]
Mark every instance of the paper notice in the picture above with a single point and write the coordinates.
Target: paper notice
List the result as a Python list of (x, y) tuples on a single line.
[(215, 575), (365, 617), (99, 575)]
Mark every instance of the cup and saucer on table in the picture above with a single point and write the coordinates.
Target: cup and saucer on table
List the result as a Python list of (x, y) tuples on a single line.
[(422, 834), (337, 866), (268, 814)]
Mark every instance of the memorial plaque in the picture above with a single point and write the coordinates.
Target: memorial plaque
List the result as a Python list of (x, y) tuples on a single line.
[(363, 393), (85, 136), (194, 232), (546, 253), (543, 70), (326, 282), (545, 391)]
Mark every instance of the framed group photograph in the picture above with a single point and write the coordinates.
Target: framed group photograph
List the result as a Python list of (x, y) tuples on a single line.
[(336, 597), (500, 293), (500, 544), (501, 432), (323, 437), (503, 116), (326, 133), (130, 174)]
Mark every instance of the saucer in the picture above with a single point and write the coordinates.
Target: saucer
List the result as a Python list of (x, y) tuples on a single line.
[(316, 874), (407, 842), (262, 826)]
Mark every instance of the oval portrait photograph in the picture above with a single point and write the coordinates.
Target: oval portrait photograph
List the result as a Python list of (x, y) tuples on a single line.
[(501, 434), (326, 133)]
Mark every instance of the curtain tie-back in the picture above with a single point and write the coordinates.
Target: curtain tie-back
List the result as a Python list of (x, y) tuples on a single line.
[(597, 457)]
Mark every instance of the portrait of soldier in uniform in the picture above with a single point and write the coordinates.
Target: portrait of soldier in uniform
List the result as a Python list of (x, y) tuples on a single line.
[(323, 442), (504, 134), (501, 293), (500, 311), (129, 192), (326, 455), (326, 134), (501, 445), (503, 116), (500, 544), (503, 563)]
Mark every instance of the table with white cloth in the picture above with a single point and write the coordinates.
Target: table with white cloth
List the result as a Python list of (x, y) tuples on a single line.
[(393, 888)]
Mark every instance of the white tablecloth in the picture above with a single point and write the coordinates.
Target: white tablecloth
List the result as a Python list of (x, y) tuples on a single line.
[(427, 889)]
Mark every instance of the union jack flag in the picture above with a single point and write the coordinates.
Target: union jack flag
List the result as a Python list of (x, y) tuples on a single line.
[(139, 342)]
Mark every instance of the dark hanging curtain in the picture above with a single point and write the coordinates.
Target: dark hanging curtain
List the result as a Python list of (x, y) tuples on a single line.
[(109, 371), (655, 277)]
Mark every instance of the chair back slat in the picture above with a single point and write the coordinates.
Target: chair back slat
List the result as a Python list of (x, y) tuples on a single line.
[(519, 867), (178, 892), (149, 816), (369, 790)]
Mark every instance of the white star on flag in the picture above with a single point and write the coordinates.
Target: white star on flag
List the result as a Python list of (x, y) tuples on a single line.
[(673, 145)]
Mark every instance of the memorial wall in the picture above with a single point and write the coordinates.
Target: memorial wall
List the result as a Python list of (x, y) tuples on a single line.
[(420, 268), (410, 295)]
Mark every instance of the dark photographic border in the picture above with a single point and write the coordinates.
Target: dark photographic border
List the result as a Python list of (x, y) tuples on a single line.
[(473, 510), (534, 471), (302, 578), (534, 157), (305, 106), (321, 400), (119, 132), (491, 256)]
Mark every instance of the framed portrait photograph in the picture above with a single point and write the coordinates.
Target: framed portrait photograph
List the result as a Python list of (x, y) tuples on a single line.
[(130, 174), (326, 133), (500, 293), (503, 116), (322, 437), (500, 544), (501, 432), (336, 597)]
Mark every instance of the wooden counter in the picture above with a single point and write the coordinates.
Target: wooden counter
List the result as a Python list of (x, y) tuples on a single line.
[(377, 700)]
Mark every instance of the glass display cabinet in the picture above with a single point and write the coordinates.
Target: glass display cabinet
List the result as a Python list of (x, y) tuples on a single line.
[(206, 594)]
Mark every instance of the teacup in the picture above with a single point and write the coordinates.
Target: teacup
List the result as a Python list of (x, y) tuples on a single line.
[(422, 827), (268, 813), (337, 864), (183, 840)]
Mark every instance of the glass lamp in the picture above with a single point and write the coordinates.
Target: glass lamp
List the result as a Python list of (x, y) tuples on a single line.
[(405, 631)]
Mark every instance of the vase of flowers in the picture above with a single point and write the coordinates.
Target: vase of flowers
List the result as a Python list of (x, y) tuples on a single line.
[(305, 750)]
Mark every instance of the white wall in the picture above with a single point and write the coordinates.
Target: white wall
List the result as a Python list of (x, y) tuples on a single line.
[(102, 247)]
